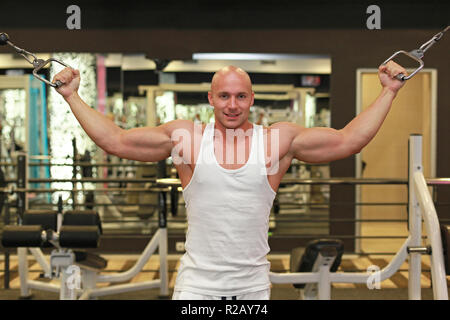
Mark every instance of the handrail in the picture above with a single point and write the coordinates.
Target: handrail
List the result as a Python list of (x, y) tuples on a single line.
[(332, 181), (433, 236), (345, 277), (138, 266), (420, 206), (286, 181), (437, 181)]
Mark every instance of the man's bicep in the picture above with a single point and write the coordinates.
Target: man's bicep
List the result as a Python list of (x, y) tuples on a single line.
[(318, 145), (144, 144), (153, 143)]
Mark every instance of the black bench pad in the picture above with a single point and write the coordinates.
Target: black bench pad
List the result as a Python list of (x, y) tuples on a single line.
[(303, 259), (90, 260)]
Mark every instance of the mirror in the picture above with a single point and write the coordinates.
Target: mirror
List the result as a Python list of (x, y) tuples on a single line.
[(129, 90)]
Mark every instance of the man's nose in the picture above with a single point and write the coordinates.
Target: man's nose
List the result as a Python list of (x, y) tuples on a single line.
[(232, 104)]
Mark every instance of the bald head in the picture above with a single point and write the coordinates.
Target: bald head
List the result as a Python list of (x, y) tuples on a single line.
[(230, 73), (231, 96)]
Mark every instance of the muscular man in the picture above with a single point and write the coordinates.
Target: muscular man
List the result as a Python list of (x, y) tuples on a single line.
[(230, 171)]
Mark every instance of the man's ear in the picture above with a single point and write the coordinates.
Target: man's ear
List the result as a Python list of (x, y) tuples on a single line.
[(253, 98), (210, 99)]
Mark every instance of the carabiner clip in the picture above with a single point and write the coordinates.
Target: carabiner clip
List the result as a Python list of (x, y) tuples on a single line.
[(38, 64)]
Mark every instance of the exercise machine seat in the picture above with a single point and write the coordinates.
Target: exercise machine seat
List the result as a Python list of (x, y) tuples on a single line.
[(303, 259)]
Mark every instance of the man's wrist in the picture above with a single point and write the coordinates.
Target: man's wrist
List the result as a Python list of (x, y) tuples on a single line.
[(71, 97), (389, 92)]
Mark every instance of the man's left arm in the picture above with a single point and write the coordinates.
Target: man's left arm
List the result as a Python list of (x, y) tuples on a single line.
[(317, 145)]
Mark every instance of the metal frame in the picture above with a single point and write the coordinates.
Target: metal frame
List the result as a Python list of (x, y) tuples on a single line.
[(89, 277), (421, 206)]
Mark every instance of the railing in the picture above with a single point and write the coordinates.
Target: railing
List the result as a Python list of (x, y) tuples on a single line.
[(421, 206)]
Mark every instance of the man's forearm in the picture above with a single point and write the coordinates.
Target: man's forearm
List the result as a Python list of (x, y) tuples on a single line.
[(363, 128), (99, 128)]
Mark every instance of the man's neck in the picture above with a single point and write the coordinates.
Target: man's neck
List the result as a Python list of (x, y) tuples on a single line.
[(224, 130)]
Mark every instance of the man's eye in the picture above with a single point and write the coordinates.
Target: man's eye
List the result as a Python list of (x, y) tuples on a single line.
[(242, 96), (223, 96)]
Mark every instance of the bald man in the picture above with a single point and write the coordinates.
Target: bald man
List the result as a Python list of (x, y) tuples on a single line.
[(230, 171)]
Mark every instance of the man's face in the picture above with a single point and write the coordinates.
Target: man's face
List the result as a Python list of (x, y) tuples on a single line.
[(232, 96)]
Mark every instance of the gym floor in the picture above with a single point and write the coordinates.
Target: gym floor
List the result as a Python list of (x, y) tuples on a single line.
[(394, 288)]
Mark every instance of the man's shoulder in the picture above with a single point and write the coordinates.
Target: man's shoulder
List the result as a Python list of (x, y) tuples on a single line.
[(185, 125), (284, 133), (284, 128)]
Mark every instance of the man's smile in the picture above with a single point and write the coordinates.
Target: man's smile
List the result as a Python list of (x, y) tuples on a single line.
[(232, 115)]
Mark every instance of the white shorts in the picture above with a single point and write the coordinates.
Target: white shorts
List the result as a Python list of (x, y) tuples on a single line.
[(186, 295)]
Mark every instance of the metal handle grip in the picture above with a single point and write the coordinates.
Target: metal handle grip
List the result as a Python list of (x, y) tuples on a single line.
[(401, 76), (39, 64)]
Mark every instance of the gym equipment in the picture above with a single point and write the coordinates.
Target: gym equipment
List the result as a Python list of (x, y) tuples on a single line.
[(320, 256), (45, 218), (417, 54), (84, 232), (36, 236), (303, 259), (79, 236), (23, 236), (159, 241), (72, 236), (82, 218), (38, 64), (47, 231), (420, 206)]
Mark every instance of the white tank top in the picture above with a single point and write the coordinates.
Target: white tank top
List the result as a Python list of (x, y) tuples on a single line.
[(228, 223)]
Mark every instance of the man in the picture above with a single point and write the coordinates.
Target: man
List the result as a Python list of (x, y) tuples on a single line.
[(230, 171)]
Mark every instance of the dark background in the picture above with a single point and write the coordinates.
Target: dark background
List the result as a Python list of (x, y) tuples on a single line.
[(230, 14)]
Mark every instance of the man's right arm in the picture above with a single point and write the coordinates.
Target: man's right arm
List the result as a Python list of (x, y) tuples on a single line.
[(142, 144)]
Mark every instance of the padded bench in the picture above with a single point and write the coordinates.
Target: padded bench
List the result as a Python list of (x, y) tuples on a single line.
[(303, 259)]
